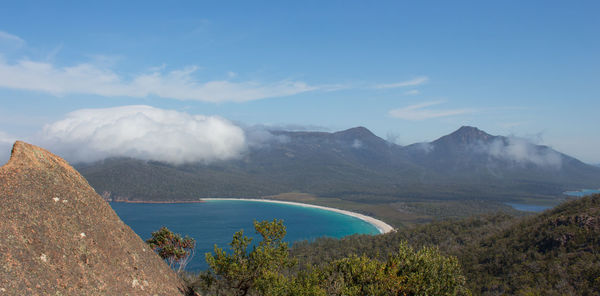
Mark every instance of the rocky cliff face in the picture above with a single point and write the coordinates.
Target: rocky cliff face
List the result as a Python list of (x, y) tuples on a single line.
[(58, 237)]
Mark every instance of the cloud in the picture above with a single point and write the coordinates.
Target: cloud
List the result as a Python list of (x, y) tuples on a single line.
[(96, 77), (143, 132), (293, 127), (357, 144), (6, 142), (424, 147), (419, 111), (11, 39), (258, 136), (88, 78), (521, 151), (413, 82), (412, 92)]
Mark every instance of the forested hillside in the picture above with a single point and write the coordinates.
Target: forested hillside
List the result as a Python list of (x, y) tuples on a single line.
[(553, 253)]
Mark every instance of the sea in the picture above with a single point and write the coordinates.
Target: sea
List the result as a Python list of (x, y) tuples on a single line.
[(528, 207), (582, 192), (541, 208), (215, 221)]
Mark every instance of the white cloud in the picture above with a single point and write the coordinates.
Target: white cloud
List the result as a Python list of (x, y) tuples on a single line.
[(97, 78), (357, 144), (521, 151), (6, 138), (413, 82), (12, 39), (258, 136), (412, 92), (143, 132), (424, 147), (419, 111), (88, 78), (6, 142)]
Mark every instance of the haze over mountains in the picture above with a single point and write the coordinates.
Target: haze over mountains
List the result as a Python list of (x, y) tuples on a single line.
[(355, 164)]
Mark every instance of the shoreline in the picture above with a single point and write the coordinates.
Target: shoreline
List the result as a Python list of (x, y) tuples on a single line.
[(381, 226), (157, 202)]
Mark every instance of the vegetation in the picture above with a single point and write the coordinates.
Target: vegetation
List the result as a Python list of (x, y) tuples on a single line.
[(174, 249), (554, 253), (258, 271), (268, 269)]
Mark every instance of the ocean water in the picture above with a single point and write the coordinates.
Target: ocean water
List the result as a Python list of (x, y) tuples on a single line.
[(215, 222), (582, 192), (528, 208)]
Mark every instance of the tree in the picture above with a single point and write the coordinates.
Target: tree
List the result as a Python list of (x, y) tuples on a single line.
[(258, 272), (177, 251), (405, 272), (267, 270)]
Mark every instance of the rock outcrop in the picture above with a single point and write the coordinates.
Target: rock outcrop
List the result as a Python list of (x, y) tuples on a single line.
[(59, 237)]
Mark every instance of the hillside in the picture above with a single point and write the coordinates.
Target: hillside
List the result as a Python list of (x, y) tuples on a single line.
[(357, 166), (58, 237), (553, 253)]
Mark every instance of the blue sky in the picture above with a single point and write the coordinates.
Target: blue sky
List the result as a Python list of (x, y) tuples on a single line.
[(409, 71)]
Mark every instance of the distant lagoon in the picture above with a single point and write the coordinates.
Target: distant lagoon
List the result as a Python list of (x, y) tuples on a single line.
[(541, 208), (215, 222), (528, 207), (582, 192)]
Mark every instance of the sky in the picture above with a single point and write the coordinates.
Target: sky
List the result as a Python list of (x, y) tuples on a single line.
[(92, 79)]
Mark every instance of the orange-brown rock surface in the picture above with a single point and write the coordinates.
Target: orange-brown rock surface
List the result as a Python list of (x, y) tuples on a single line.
[(58, 237)]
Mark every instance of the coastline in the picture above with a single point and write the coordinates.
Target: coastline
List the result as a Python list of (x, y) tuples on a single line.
[(157, 201), (381, 226)]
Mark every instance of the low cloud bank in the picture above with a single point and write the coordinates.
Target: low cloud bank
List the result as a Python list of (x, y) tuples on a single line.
[(522, 151), (143, 132)]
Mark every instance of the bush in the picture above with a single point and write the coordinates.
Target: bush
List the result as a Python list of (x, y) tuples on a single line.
[(177, 251), (267, 270)]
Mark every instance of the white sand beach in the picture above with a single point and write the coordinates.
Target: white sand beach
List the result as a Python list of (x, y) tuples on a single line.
[(380, 225)]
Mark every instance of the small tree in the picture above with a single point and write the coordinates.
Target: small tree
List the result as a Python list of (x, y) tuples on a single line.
[(255, 272), (177, 251)]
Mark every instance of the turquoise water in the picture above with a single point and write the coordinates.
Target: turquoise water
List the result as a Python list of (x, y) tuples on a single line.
[(541, 208), (528, 208), (582, 192), (214, 222)]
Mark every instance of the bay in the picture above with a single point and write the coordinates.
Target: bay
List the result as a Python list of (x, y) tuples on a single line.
[(582, 192), (215, 222), (528, 207)]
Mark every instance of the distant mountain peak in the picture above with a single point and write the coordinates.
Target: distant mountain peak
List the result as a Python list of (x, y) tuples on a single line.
[(469, 130), (465, 135), (356, 130), (355, 133)]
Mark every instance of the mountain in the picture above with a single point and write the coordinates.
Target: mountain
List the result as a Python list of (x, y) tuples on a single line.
[(357, 165), (470, 156), (58, 237)]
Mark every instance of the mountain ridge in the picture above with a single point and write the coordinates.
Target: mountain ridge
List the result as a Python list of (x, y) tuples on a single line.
[(355, 164)]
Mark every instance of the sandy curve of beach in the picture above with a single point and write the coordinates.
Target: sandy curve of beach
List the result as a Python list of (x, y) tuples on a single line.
[(380, 225)]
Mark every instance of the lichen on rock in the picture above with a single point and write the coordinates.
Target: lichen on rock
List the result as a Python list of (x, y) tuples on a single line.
[(80, 247)]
